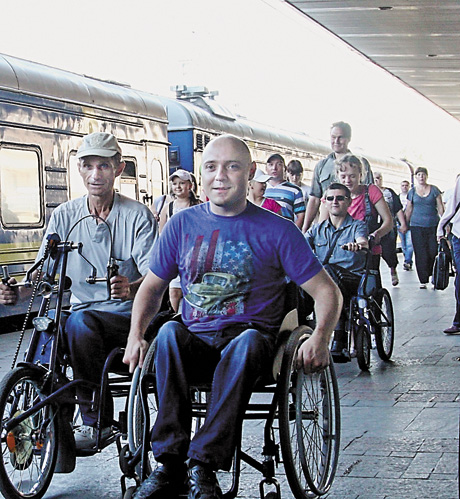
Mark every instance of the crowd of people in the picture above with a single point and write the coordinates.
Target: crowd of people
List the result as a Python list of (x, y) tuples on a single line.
[(254, 229)]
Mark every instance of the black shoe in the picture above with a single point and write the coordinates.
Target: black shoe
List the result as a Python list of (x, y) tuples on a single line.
[(202, 484), (161, 485), (340, 353)]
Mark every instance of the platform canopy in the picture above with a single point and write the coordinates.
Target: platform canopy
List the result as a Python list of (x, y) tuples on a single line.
[(418, 41)]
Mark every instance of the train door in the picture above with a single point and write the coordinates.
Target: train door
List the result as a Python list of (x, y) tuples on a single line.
[(156, 179)]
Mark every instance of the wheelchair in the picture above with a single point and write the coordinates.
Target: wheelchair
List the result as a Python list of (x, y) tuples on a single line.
[(37, 397), (370, 315), (301, 414)]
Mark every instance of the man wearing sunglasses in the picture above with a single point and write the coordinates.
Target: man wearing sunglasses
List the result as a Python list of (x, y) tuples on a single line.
[(328, 240)]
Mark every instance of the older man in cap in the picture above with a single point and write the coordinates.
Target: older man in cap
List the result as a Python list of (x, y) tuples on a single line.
[(98, 323)]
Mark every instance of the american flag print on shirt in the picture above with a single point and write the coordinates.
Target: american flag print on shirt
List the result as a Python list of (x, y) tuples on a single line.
[(218, 276)]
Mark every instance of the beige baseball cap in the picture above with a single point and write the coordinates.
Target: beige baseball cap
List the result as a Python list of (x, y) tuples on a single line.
[(182, 174), (99, 144)]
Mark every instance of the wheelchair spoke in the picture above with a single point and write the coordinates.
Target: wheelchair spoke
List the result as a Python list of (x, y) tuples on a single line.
[(29, 449)]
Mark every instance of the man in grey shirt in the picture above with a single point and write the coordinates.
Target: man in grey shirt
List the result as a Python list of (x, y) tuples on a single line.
[(108, 224), (323, 174)]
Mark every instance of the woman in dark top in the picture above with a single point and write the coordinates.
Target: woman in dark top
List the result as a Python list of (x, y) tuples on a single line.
[(424, 207)]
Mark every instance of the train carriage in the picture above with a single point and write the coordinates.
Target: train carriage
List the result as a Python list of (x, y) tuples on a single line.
[(44, 113)]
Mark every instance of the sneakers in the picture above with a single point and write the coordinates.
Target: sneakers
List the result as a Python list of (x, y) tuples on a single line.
[(407, 266), (161, 483), (422, 286), (85, 437), (202, 483), (394, 277), (452, 330)]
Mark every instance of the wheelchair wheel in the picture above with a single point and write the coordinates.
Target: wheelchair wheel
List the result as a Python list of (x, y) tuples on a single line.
[(29, 450), (363, 347), (385, 324), (309, 421), (138, 416)]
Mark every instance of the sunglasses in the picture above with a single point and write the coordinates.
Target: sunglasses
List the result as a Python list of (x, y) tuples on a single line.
[(339, 198)]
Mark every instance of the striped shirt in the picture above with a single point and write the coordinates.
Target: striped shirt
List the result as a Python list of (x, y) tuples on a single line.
[(289, 196)]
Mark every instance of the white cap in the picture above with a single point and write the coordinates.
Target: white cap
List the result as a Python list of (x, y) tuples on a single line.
[(260, 176)]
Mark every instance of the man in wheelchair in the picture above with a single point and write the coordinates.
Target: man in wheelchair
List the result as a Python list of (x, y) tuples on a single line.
[(232, 257), (108, 224), (337, 242)]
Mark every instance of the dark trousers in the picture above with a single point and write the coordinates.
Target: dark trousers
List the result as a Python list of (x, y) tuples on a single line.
[(456, 256), (425, 246), (91, 336), (388, 243), (234, 363)]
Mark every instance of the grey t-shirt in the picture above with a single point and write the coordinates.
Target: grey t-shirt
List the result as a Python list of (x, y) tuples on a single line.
[(133, 230), (425, 210)]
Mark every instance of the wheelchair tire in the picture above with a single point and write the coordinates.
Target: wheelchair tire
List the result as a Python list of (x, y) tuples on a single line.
[(309, 423), (385, 326), (29, 450), (363, 347), (138, 423)]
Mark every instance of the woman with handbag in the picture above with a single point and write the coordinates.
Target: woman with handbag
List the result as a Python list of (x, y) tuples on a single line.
[(452, 215), (424, 208)]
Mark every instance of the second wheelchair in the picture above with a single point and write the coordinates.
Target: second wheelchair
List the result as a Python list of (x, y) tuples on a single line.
[(370, 316)]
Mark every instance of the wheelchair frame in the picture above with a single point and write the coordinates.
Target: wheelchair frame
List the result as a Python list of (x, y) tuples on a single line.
[(371, 313), (37, 397), (305, 407)]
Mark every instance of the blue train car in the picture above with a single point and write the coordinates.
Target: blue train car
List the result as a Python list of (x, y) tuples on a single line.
[(195, 118)]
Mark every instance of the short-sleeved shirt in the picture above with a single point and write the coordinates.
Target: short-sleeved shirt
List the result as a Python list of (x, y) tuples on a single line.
[(324, 175), (133, 229), (233, 269), (425, 209), (324, 235), (289, 196), (357, 207), (271, 205)]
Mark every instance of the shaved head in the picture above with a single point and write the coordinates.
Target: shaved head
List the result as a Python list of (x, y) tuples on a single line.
[(239, 146), (225, 171)]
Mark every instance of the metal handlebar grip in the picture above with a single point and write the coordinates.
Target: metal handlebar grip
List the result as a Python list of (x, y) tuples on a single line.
[(112, 271), (6, 274)]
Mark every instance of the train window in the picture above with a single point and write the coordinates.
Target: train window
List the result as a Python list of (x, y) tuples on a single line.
[(127, 184), (174, 156), (130, 170), (20, 187), (199, 142)]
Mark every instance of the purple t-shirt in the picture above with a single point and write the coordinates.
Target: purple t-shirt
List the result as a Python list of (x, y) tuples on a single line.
[(232, 269)]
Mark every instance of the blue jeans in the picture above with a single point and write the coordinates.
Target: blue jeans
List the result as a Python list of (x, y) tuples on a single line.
[(91, 336), (234, 360), (406, 246), (456, 256)]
